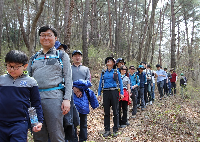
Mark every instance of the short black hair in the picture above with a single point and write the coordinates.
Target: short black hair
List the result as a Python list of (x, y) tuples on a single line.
[(16, 56), (165, 68), (48, 27), (143, 63), (131, 67)]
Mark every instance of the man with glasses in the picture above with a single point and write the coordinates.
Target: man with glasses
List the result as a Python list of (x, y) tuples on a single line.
[(49, 74)]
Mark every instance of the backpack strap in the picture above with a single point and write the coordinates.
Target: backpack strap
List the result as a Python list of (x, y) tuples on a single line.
[(59, 56)]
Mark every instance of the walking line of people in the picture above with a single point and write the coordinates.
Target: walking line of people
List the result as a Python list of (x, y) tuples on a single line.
[(61, 94)]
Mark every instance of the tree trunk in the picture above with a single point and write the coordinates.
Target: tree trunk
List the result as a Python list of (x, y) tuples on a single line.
[(173, 38), (110, 27), (84, 34), (21, 25), (33, 28), (149, 32), (143, 33), (1, 23)]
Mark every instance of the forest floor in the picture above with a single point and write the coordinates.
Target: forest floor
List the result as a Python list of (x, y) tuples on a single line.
[(171, 119)]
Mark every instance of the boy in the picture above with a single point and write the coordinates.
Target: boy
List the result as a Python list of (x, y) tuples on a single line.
[(135, 82), (143, 80), (17, 92)]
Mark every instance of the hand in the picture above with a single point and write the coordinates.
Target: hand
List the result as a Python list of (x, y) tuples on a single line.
[(130, 94), (65, 106), (99, 98), (121, 96), (77, 92), (133, 87), (37, 128)]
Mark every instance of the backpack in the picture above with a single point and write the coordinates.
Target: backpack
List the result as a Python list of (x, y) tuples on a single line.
[(59, 55)]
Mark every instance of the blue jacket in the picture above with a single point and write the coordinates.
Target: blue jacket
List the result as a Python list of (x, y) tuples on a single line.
[(82, 104), (134, 79), (109, 82), (143, 79)]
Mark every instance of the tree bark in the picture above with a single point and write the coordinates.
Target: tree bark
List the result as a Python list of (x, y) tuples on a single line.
[(1, 23), (149, 32), (33, 28), (84, 34), (173, 38)]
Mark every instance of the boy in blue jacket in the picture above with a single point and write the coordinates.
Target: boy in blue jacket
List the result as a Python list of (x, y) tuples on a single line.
[(17, 92)]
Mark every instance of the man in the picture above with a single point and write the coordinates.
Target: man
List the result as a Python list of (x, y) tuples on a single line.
[(145, 85), (46, 68), (160, 80), (143, 80), (135, 82), (149, 84), (119, 63), (80, 72), (173, 81)]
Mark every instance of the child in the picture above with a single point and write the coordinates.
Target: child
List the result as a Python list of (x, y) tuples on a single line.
[(143, 80), (17, 91)]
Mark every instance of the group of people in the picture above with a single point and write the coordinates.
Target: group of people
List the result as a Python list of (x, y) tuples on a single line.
[(61, 94), (120, 84)]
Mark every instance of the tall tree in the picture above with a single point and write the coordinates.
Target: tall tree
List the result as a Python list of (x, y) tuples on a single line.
[(173, 37), (1, 22), (84, 33), (149, 32)]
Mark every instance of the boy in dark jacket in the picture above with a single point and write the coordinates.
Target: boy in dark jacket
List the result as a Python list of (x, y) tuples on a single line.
[(143, 80), (17, 92)]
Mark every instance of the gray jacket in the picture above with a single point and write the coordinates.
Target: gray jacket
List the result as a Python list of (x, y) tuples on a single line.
[(48, 74)]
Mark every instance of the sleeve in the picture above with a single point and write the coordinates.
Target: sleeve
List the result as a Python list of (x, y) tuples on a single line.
[(88, 77), (36, 102), (128, 79), (67, 74), (138, 80), (100, 87), (145, 79), (120, 83)]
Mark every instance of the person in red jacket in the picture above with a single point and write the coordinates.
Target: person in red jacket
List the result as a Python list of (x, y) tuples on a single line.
[(123, 103), (173, 81)]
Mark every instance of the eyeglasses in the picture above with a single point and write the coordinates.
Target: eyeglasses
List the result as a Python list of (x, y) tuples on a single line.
[(12, 67), (44, 36), (132, 69), (123, 69)]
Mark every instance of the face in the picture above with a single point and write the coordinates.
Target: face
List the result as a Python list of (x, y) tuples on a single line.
[(132, 70), (15, 69), (140, 70), (47, 39), (120, 64), (123, 70), (158, 68), (77, 58), (110, 62)]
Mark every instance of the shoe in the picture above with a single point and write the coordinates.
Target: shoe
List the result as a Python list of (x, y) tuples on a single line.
[(122, 126), (133, 116), (150, 102), (106, 134), (115, 134), (127, 123), (146, 104), (138, 105), (142, 109)]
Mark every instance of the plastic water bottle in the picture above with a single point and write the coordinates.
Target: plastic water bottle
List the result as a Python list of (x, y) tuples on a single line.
[(33, 116)]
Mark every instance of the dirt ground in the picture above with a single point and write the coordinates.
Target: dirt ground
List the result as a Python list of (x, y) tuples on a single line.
[(170, 119)]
